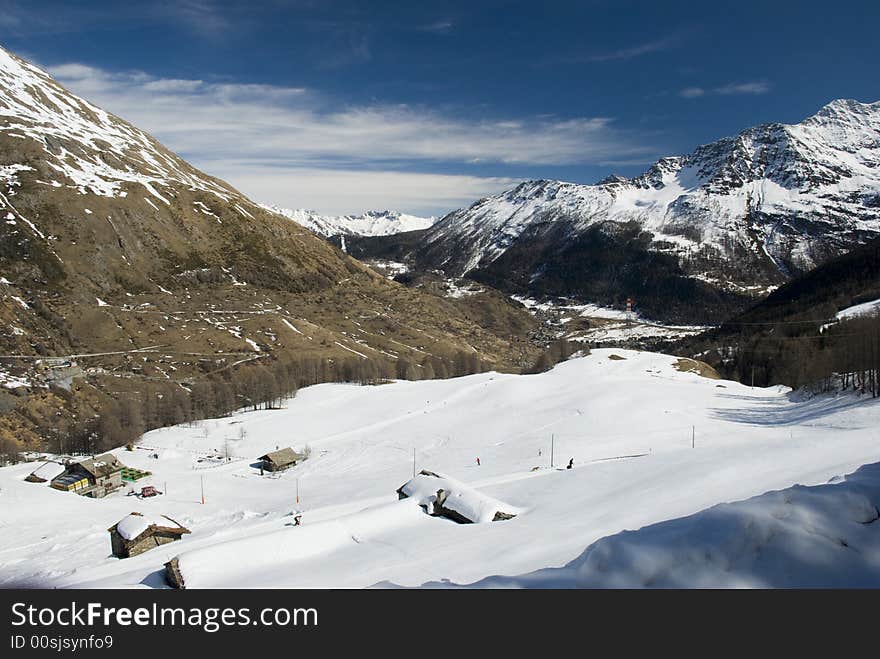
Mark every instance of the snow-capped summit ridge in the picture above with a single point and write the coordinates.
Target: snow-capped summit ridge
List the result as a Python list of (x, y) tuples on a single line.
[(785, 196), (368, 223)]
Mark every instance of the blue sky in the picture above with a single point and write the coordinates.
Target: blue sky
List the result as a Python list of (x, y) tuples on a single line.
[(424, 107)]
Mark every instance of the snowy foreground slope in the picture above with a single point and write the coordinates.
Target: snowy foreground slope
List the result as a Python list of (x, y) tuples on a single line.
[(799, 537), (627, 424)]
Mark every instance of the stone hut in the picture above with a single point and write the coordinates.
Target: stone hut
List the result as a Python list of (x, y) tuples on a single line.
[(137, 533)]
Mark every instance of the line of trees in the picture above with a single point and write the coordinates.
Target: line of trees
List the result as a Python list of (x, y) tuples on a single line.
[(9, 451), (557, 351), (847, 357), (844, 356)]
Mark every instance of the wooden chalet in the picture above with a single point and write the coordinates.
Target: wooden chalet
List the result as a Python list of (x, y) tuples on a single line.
[(95, 477), (281, 459)]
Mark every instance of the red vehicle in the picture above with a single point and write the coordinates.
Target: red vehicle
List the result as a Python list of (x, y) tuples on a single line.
[(149, 491)]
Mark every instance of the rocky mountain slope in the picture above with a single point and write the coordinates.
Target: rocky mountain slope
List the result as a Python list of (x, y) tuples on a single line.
[(120, 256), (720, 226), (370, 223)]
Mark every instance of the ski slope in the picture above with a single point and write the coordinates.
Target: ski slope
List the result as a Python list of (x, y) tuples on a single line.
[(649, 444)]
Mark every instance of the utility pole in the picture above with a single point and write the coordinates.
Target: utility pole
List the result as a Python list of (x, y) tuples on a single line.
[(297, 490), (753, 376), (693, 436), (552, 442), (202, 478), (414, 462)]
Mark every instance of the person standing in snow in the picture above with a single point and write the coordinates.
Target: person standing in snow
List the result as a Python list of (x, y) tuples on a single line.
[(478, 462), (570, 463)]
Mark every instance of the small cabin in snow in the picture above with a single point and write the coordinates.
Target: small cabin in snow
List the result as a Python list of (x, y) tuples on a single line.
[(442, 496), (137, 533), (95, 477), (281, 459)]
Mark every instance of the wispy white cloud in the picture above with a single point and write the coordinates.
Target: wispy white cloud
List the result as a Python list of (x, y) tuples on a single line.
[(203, 16), (270, 132), (9, 20), (296, 125), (692, 92), (753, 88), (638, 50), (759, 87), (438, 27)]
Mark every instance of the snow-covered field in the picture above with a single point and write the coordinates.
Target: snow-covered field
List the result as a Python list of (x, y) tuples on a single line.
[(864, 309), (871, 308), (649, 444)]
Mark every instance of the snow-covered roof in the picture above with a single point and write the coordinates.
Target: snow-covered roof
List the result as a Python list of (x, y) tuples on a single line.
[(48, 470), (103, 465), (283, 456), (471, 504), (133, 525)]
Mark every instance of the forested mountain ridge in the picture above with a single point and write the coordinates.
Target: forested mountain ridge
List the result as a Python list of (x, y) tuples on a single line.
[(820, 330)]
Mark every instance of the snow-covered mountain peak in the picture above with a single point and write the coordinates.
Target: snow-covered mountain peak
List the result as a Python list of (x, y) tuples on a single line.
[(369, 223), (846, 110), (612, 179), (745, 211)]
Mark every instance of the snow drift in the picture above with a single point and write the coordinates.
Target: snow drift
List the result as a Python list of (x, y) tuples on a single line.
[(254, 560), (825, 536)]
